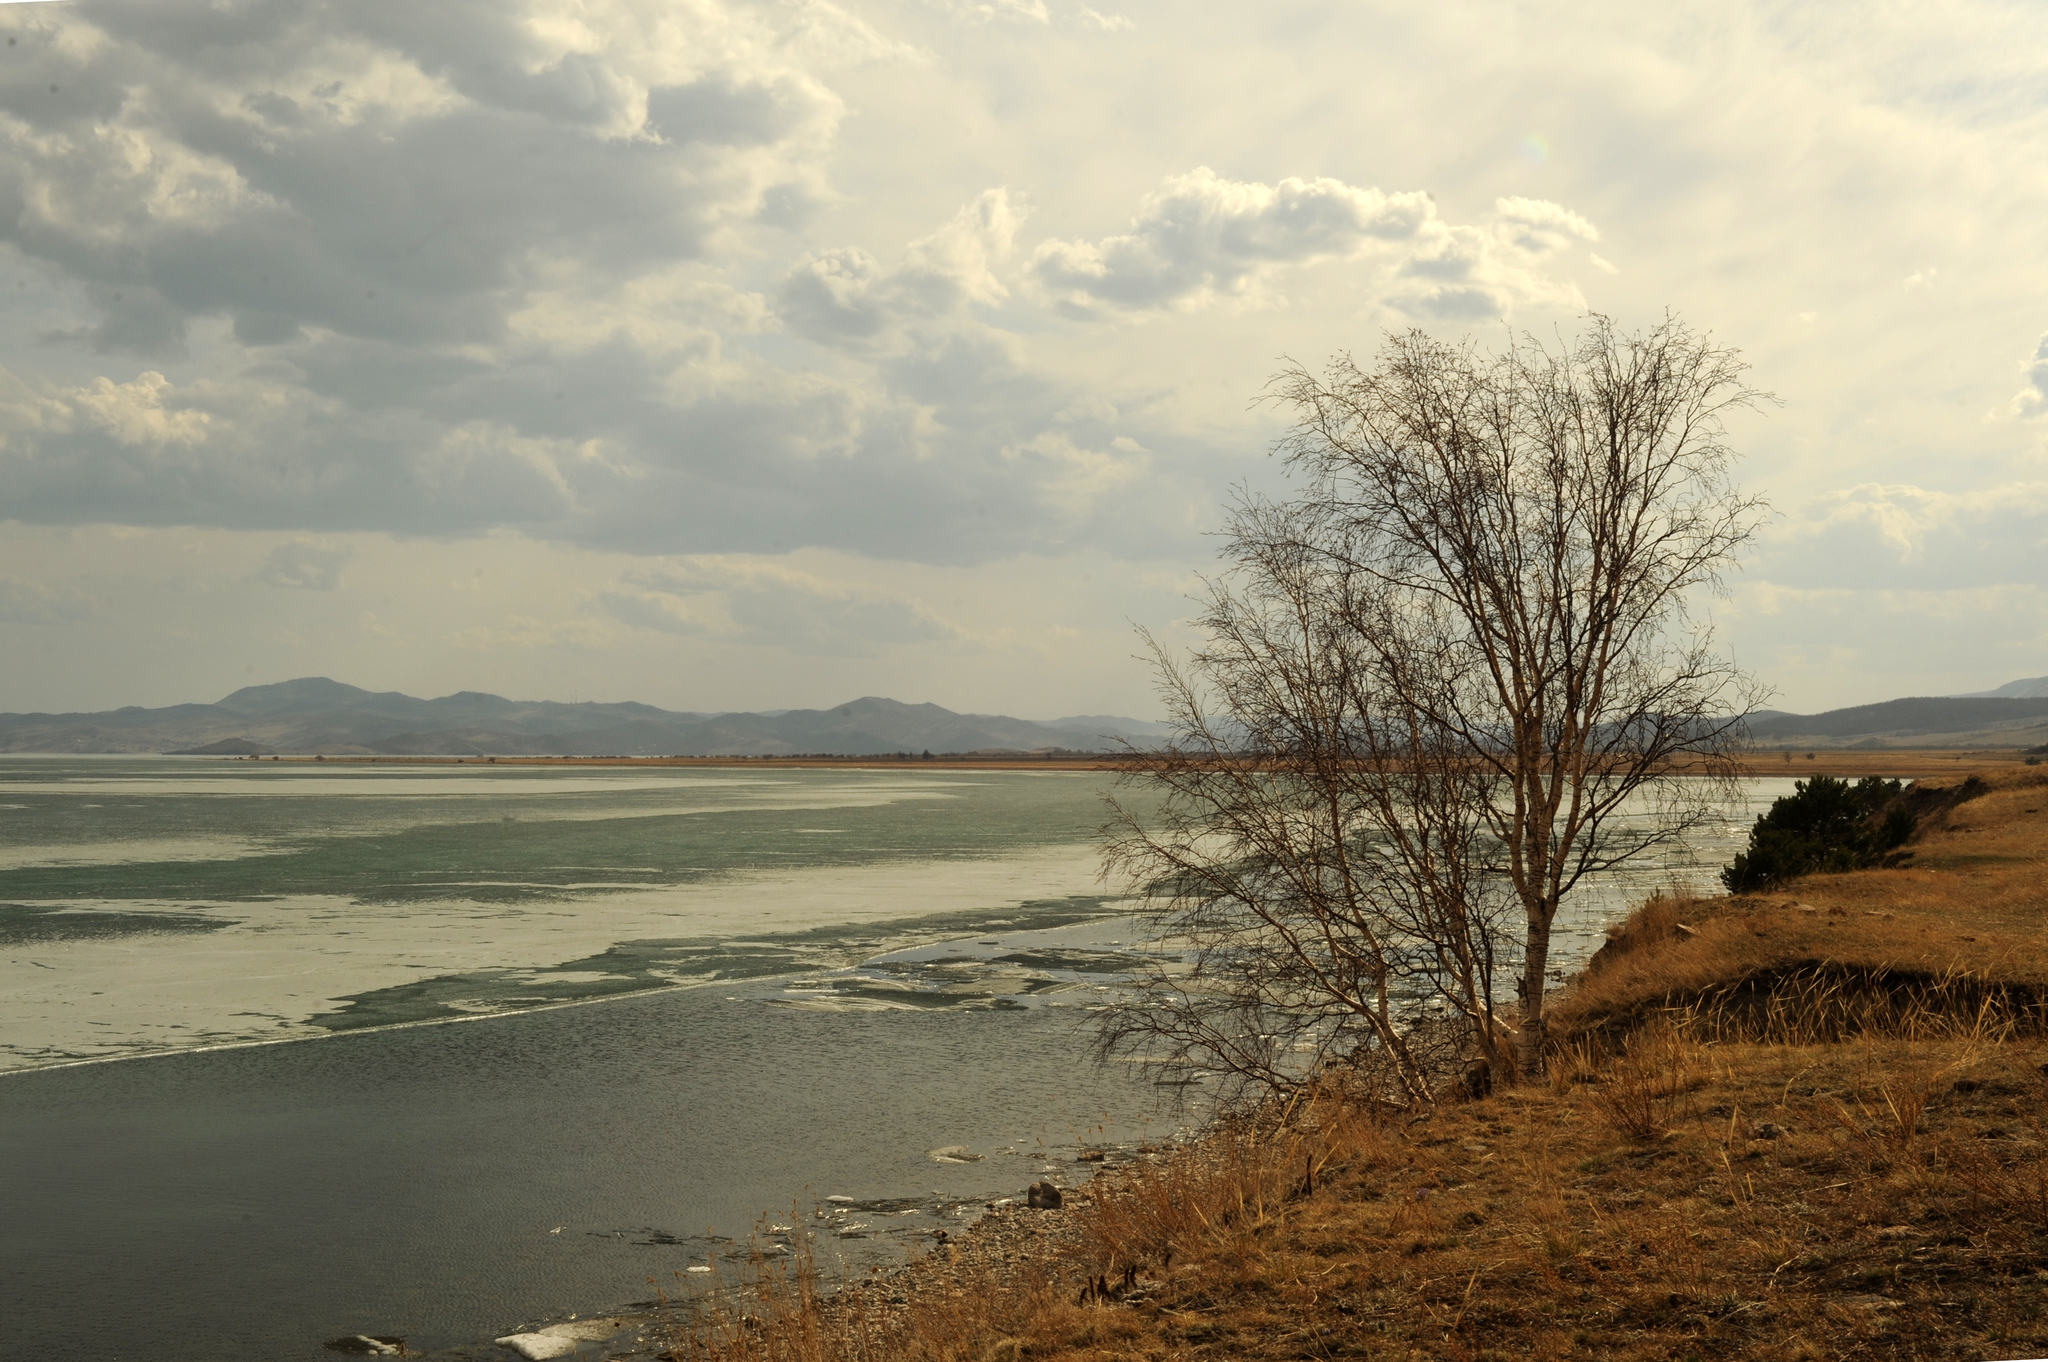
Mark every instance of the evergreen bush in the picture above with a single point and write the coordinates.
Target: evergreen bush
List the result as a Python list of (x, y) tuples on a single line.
[(1824, 826)]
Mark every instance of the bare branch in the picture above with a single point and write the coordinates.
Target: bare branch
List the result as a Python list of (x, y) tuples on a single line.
[(1445, 682)]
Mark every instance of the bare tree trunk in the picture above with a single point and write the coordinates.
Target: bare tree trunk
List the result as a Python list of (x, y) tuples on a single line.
[(1449, 674), (1535, 964)]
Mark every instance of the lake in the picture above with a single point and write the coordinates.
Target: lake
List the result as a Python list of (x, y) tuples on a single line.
[(296, 1051)]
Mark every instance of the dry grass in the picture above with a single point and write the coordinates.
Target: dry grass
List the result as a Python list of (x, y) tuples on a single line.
[(1788, 1134), (1953, 943), (1905, 763), (1641, 1092), (1876, 1198)]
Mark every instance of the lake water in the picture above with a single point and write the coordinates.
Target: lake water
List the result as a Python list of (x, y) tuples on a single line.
[(289, 1052)]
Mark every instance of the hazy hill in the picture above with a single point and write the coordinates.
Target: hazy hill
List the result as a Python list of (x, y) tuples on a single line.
[(2030, 689), (315, 714), (1919, 721)]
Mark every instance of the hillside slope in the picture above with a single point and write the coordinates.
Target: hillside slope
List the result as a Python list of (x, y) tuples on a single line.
[(319, 715), (1916, 721)]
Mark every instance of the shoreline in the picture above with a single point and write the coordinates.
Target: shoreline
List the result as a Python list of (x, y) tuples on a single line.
[(1914, 763), (868, 763), (1794, 1180), (1006, 1239)]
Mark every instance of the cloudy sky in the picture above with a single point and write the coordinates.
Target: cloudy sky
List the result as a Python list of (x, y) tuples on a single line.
[(748, 355)]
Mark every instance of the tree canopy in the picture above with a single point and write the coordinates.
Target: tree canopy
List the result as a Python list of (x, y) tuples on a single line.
[(1451, 676)]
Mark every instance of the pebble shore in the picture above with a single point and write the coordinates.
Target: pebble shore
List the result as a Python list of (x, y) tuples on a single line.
[(1010, 1239)]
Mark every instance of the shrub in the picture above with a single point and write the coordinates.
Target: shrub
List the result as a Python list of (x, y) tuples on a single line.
[(1825, 825)]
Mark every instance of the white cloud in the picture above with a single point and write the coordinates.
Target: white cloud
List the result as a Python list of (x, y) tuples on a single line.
[(1902, 537), (726, 280), (1201, 239), (1032, 12), (1105, 23), (1074, 479), (146, 412), (772, 605), (846, 293), (388, 172), (2031, 402)]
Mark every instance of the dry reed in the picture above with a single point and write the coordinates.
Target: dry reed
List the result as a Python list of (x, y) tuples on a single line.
[(1646, 1082)]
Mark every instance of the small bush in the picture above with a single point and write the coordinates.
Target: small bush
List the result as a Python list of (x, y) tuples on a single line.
[(1824, 826), (1646, 1083)]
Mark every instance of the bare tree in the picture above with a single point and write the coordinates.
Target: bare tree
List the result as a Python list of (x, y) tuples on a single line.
[(1458, 673)]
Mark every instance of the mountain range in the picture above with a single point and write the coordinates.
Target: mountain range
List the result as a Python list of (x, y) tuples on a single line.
[(317, 715)]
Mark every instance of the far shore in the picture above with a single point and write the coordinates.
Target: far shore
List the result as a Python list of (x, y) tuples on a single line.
[(1021, 762), (1892, 763)]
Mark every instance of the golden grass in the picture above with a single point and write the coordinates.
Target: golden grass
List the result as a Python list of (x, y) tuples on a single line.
[(1876, 1198), (1954, 940), (1921, 763), (1814, 1125)]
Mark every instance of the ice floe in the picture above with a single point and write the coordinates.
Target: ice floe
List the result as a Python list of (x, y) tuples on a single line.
[(561, 1340)]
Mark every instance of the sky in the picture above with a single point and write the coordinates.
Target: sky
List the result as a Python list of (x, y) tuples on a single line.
[(739, 356)]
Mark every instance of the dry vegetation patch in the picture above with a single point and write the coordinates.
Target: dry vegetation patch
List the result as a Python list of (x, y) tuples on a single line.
[(1951, 941), (1805, 1125), (1875, 1198)]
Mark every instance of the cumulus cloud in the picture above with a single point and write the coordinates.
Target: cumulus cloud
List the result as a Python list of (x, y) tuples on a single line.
[(525, 263), (252, 454), (453, 245), (2031, 402), (382, 170), (775, 606), (145, 413), (1076, 479), (303, 566), (1201, 239), (437, 270), (846, 293), (1898, 536)]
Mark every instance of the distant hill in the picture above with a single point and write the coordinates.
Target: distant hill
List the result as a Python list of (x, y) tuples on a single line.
[(317, 715), (1920, 721), (2033, 688)]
